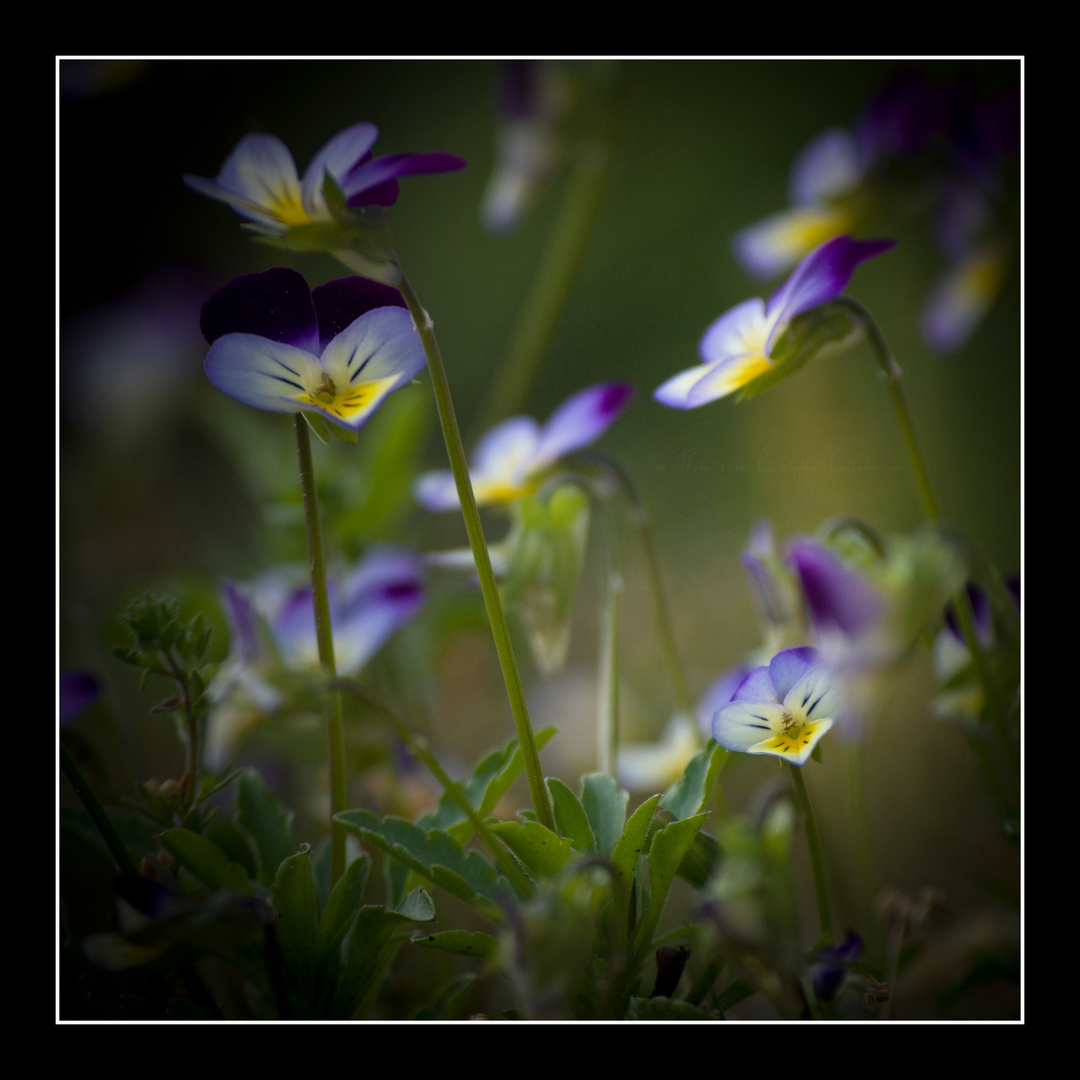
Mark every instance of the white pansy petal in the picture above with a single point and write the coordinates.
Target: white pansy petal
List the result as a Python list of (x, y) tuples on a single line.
[(815, 695), (676, 391), (507, 452), (741, 330), (261, 373), (743, 725), (728, 376)]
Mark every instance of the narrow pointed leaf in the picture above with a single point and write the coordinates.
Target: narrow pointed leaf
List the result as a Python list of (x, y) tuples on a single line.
[(345, 901), (206, 860), (605, 805), (690, 793), (541, 852), (571, 818), (261, 814), (297, 923)]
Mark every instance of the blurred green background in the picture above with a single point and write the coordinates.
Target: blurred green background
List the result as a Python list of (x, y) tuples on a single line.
[(165, 483)]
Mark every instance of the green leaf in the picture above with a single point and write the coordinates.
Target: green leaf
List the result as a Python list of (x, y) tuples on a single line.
[(460, 942), (662, 1008), (261, 814), (700, 862), (345, 901), (632, 842), (319, 427), (542, 852), (433, 854), (450, 1002), (605, 806), (666, 852), (570, 816), (417, 906), (297, 924), (690, 794), (206, 860)]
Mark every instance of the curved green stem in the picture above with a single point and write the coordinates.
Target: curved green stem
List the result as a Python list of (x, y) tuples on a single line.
[(418, 747), (817, 861), (324, 635), (640, 520), (503, 646), (607, 727), (551, 286), (894, 382)]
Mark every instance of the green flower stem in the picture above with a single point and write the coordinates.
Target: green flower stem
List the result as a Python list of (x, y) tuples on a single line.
[(324, 635), (418, 747), (540, 315), (607, 728), (97, 813), (503, 646), (193, 776), (817, 861), (894, 381), (640, 520)]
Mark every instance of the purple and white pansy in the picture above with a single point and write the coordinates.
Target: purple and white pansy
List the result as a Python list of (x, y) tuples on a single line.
[(511, 458), (336, 351), (782, 709), (738, 347), (273, 626), (259, 179)]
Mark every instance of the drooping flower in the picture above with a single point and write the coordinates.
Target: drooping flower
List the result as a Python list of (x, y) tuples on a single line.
[(510, 460), (337, 351), (738, 347), (831, 964), (273, 626), (260, 182), (782, 709)]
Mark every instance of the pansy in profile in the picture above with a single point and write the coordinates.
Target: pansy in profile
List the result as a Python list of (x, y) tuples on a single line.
[(740, 347), (259, 179), (511, 459), (782, 709), (336, 351)]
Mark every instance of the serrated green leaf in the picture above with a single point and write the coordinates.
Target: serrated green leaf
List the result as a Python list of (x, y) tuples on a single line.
[(542, 853), (345, 901), (461, 942), (206, 861), (433, 854), (605, 806), (666, 852), (261, 814), (570, 816), (297, 923), (417, 906), (690, 794)]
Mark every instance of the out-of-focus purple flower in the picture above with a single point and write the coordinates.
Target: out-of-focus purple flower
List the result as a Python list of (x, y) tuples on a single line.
[(259, 179), (337, 351), (838, 599), (782, 709), (737, 348), (532, 102), (273, 623), (831, 964), (511, 458), (78, 691), (904, 118), (824, 174)]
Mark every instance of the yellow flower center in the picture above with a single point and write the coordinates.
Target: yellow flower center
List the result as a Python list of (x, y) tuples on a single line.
[(345, 404)]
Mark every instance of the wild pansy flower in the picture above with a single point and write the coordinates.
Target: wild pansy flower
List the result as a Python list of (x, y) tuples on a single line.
[(273, 627), (510, 460), (782, 709), (830, 967), (260, 182), (336, 351), (823, 176), (738, 348)]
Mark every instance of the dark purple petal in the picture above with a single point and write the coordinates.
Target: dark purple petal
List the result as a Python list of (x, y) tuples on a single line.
[(240, 613), (368, 175), (338, 304), (836, 596), (78, 691), (581, 420), (822, 276), (829, 968), (275, 304), (905, 117)]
